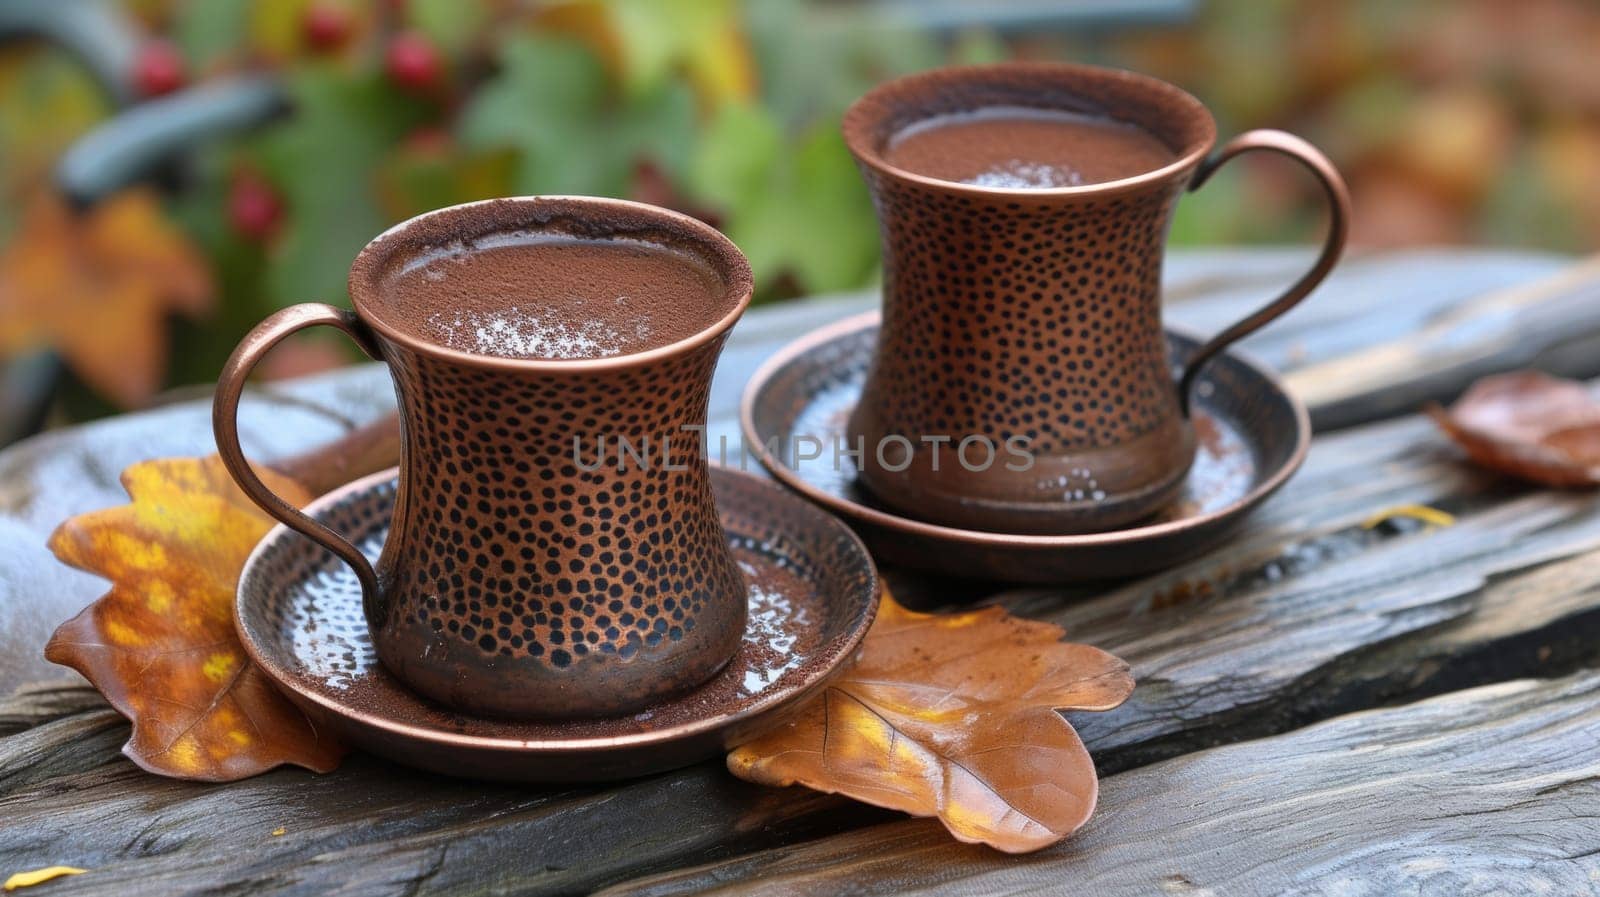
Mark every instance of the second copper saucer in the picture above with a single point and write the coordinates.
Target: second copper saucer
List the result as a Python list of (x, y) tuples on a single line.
[(1253, 436), (813, 592)]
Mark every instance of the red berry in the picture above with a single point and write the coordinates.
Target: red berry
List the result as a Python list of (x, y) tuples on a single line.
[(254, 209), (326, 26), (412, 62), (428, 141), (158, 69)]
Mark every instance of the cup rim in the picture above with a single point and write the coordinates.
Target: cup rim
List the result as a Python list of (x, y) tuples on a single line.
[(714, 248), (868, 111)]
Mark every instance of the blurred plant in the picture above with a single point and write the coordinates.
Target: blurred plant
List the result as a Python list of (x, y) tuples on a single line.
[(47, 100), (723, 110), (99, 287), (1456, 120)]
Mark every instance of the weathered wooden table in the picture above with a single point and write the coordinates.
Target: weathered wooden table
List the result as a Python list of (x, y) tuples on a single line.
[(1324, 707)]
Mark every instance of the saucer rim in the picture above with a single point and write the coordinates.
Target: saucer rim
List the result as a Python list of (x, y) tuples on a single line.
[(835, 656), (879, 517)]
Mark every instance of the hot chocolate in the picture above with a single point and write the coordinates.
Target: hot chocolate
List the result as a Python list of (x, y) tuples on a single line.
[(1017, 147), (555, 297), (518, 580)]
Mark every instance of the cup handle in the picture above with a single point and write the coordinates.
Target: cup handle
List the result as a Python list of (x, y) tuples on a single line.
[(225, 424), (1338, 230)]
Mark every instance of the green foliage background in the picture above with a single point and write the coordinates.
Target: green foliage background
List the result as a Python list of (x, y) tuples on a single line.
[(1455, 120)]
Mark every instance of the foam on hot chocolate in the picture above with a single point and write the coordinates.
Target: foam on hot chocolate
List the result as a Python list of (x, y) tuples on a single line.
[(1026, 148), (554, 296)]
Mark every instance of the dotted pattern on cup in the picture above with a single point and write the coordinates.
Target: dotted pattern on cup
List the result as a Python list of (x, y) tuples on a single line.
[(1022, 318), (810, 589), (515, 564)]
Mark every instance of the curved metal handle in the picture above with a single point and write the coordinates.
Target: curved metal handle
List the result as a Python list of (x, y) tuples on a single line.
[(1338, 230), (225, 423)]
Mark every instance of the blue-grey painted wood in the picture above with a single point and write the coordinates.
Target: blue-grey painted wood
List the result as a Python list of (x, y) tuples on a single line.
[(97, 32), (1075, 17), (130, 145)]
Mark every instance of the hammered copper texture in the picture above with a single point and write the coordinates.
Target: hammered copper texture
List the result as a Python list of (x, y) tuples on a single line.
[(1253, 435), (523, 576), (1031, 314), (511, 561), (811, 597)]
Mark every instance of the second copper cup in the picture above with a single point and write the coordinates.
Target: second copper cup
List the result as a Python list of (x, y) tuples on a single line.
[(1025, 323), (520, 577)]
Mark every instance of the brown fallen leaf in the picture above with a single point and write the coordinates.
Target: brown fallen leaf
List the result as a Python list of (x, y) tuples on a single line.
[(954, 716), (161, 645), (98, 287), (1529, 425)]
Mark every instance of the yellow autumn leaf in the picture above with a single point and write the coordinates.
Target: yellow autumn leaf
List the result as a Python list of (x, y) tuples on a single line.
[(1429, 516), (161, 644), (40, 876)]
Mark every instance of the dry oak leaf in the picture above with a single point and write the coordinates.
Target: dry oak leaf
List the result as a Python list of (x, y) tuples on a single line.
[(98, 286), (161, 644), (955, 716), (1529, 425)]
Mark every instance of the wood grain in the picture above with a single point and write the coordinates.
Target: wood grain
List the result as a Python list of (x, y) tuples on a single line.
[(1306, 615), (1495, 790), (1366, 302), (1311, 612), (1309, 615), (1552, 322)]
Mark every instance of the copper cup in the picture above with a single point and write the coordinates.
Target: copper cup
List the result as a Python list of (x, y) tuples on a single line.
[(1026, 323), (520, 578)]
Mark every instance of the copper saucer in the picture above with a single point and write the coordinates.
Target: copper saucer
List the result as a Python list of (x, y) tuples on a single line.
[(1253, 436), (813, 593)]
